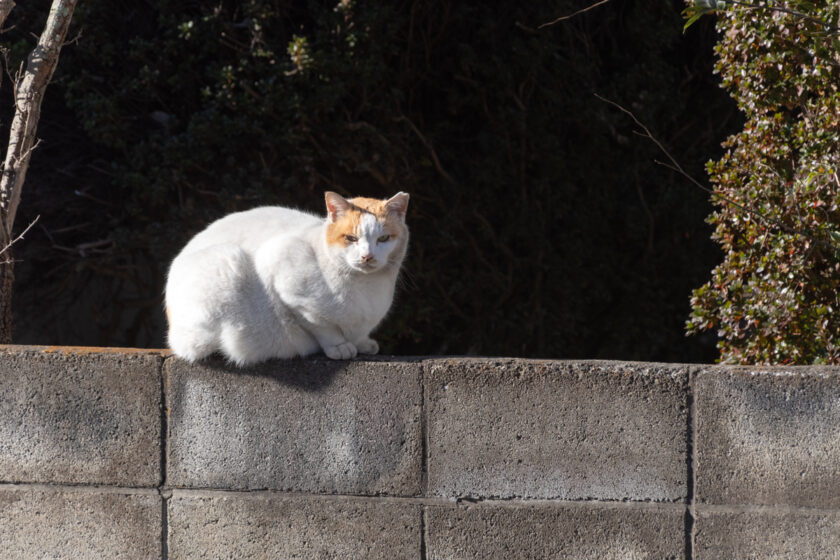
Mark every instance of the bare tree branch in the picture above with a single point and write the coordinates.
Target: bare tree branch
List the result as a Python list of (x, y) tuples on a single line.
[(29, 93), (29, 88), (16, 239), (570, 16)]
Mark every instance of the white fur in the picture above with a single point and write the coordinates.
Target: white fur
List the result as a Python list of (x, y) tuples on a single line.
[(265, 284)]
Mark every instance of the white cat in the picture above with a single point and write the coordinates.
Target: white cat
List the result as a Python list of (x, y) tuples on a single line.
[(274, 282)]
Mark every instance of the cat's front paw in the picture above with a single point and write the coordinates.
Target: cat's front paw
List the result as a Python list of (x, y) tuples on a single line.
[(367, 346), (343, 351)]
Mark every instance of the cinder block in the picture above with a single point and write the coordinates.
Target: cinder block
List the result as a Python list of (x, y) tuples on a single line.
[(769, 436), (568, 430), (767, 535), (261, 526), (571, 532), (80, 524), (80, 416), (350, 427)]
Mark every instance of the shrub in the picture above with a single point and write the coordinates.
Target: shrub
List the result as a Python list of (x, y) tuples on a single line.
[(774, 298)]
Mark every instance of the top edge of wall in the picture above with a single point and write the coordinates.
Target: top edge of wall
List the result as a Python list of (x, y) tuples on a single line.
[(81, 350), (165, 353)]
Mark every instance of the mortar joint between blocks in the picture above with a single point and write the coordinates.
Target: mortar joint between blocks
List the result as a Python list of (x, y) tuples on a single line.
[(424, 433), (691, 459)]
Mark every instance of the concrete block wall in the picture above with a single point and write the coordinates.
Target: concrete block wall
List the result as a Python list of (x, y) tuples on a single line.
[(115, 453)]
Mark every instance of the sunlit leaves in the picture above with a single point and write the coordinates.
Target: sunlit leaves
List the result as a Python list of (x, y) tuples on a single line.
[(298, 51), (774, 297)]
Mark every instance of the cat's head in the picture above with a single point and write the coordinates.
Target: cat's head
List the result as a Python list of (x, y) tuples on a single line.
[(368, 234)]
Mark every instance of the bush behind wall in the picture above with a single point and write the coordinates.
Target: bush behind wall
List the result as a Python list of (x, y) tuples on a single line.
[(774, 298)]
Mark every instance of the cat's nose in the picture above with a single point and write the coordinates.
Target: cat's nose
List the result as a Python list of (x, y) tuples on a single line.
[(367, 258)]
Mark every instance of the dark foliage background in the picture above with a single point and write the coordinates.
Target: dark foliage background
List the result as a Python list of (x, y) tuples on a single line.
[(540, 224)]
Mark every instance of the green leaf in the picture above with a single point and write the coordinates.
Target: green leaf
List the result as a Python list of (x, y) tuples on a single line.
[(699, 9), (692, 19)]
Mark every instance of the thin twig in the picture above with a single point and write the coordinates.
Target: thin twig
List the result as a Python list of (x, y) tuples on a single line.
[(675, 166), (75, 39), (570, 16), (4, 53), (16, 239), (647, 134), (432, 152), (6, 6)]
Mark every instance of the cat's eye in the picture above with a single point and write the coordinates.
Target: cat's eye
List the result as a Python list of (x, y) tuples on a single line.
[(383, 239), (350, 238)]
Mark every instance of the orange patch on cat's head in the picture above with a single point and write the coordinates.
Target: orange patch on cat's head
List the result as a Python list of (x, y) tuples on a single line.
[(346, 224), (344, 216), (372, 205)]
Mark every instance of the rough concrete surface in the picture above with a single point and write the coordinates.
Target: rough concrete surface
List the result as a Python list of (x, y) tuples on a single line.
[(767, 535), (303, 425), (80, 417), (239, 526), (547, 429), (553, 459), (571, 532), (79, 524), (768, 437)]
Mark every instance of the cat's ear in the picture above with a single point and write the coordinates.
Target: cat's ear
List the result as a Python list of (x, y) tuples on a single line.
[(398, 204), (337, 205)]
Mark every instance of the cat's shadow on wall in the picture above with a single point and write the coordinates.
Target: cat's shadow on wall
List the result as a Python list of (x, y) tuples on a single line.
[(313, 374)]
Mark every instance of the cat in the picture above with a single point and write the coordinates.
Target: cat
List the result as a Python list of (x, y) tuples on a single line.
[(274, 282)]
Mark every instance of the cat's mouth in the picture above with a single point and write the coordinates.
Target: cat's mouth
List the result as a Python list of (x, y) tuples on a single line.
[(368, 266)]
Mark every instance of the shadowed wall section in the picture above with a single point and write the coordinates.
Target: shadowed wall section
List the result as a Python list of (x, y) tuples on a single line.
[(119, 453)]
